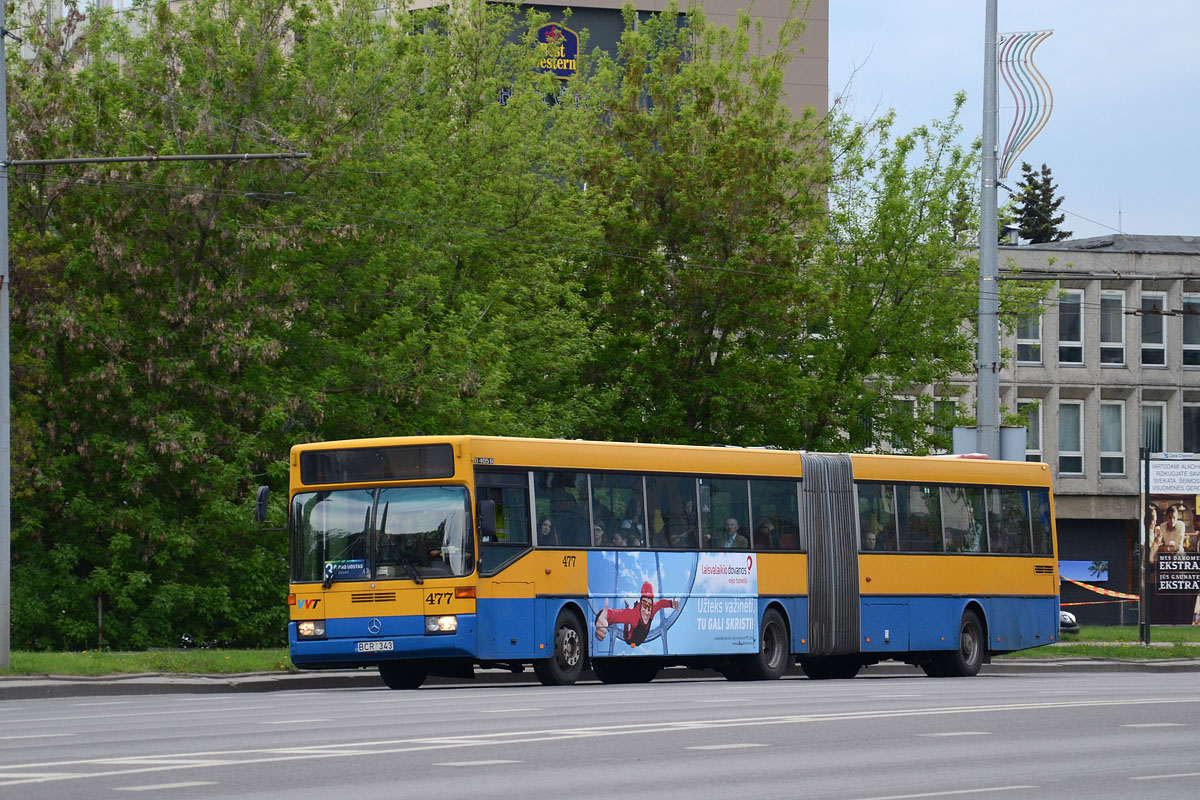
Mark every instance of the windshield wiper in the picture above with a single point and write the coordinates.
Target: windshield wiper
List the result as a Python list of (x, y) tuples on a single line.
[(409, 568), (403, 559)]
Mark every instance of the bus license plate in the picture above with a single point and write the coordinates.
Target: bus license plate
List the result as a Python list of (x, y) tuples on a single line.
[(374, 647)]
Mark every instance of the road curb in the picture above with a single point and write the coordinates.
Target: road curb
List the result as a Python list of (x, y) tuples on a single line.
[(23, 687)]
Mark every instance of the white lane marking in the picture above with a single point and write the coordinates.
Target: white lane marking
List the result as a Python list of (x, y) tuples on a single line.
[(122, 715), (893, 696), (36, 736), (104, 767), (957, 733), (289, 721), (1165, 777), (1153, 725), (734, 746), (505, 710), (487, 763), (160, 786), (949, 793), (105, 703)]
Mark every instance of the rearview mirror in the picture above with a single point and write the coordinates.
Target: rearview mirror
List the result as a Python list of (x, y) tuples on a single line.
[(260, 504), (487, 520)]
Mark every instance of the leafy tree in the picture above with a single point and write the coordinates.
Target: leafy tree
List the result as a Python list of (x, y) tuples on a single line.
[(1036, 207), (701, 180), (178, 326), (741, 310)]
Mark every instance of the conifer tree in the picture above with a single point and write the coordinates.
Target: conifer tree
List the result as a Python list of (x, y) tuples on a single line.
[(1036, 207)]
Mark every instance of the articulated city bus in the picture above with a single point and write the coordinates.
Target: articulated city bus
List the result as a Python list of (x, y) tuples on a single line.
[(434, 555)]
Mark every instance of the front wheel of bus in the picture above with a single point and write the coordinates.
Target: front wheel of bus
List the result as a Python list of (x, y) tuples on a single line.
[(770, 662), (966, 661), (565, 666), (403, 674)]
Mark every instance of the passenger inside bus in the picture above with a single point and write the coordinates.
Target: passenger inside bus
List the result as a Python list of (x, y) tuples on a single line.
[(547, 533)]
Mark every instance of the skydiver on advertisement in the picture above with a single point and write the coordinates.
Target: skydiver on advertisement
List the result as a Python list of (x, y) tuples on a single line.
[(636, 620)]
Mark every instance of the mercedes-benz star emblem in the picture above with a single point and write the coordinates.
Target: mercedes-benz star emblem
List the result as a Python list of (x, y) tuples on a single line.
[(374, 626)]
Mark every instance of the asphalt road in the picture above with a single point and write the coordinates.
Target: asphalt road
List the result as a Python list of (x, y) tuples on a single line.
[(1034, 735)]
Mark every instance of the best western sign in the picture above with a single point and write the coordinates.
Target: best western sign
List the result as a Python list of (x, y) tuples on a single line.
[(559, 50)]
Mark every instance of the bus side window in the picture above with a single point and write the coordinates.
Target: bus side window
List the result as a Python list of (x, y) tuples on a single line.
[(1043, 542), (673, 518), (919, 517), (876, 516), (775, 517), (1008, 521)]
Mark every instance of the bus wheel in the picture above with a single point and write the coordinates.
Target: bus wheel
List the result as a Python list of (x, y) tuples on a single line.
[(830, 667), (403, 674), (968, 658), (770, 662), (565, 666)]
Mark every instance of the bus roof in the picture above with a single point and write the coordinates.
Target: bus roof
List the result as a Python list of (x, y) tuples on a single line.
[(578, 454)]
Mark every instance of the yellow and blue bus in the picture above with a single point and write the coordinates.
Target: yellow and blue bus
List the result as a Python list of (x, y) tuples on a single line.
[(435, 555)]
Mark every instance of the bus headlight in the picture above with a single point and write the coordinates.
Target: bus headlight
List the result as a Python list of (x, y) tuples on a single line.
[(446, 624), (311, 629)]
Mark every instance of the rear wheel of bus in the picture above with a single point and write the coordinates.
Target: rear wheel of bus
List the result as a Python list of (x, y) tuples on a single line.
[(403, 674), (771, 660), (565, 666), (967, 660)]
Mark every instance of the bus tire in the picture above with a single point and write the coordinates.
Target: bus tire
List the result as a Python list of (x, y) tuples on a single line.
[(624, 670), (830, 667), (565, 666), (771, 660), (967, 659), (403, 674)]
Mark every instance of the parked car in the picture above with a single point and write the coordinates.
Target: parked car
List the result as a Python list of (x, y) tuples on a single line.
[(1067, 622)]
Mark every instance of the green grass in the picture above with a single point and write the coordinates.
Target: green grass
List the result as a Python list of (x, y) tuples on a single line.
[(101, 662), (1124, 642), (1093, 641)]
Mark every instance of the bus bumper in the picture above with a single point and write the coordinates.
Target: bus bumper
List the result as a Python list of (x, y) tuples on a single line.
[(351, 642)]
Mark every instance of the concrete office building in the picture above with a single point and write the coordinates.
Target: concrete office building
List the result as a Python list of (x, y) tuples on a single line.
[(1113, 364), (807, 80)]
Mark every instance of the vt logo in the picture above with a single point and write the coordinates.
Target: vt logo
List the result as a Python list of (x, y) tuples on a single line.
[(309, 603)]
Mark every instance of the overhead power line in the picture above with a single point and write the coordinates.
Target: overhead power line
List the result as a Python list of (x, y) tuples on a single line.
[(45, 162)]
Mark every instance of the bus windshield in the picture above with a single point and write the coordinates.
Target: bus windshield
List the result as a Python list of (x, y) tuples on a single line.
[(408, 533)]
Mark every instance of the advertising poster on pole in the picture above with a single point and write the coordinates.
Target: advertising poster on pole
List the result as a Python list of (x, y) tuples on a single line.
[(1169, 530)]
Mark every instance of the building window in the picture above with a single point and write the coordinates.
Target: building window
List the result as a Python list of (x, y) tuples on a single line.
[(1191, 429), (1153, 415), (1029, 339), (1070, 327), (1070, 437), (1154, 337), (1112, 438), (1031, 412), (1112, 327), (1191, 330)]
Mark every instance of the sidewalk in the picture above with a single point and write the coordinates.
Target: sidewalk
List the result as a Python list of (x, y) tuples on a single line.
[(20, 687)]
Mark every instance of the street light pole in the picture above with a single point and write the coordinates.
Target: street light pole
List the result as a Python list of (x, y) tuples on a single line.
[(987, 400)]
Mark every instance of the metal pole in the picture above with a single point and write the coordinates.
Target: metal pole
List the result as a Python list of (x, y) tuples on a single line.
[(5, 418), (987, 401), (1144, 537)]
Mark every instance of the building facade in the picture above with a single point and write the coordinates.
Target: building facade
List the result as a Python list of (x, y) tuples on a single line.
[(1111, 365)]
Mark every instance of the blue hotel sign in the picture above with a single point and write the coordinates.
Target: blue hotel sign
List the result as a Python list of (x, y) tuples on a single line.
[(560, 51)]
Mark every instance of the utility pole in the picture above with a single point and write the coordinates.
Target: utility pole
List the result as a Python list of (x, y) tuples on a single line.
[(987, 400), (5, 411)]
